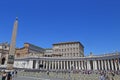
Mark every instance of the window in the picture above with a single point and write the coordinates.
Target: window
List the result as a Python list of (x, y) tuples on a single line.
[(3, 61), (59, 49), (73, 49), (68, 49), (65, 49), (18, 54), (73, 54), (77, 54), (77, 49), (62, 50), (5, 47)]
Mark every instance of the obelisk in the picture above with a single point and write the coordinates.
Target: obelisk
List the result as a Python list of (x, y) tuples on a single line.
[(12, 46)]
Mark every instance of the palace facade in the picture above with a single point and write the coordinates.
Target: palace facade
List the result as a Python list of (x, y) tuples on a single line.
[(64, 56)]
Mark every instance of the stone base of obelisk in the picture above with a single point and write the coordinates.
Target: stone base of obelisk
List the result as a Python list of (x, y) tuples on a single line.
[(10, 71), (9, 67)]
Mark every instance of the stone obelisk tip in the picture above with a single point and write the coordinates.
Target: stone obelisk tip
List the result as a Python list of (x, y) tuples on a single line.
[(16, 18)]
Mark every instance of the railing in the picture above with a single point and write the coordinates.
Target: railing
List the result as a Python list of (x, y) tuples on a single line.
[(101, 55), (3, 66), (108, 54)]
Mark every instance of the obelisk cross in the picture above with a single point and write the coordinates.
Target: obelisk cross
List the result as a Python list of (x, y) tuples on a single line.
[(12, 46)]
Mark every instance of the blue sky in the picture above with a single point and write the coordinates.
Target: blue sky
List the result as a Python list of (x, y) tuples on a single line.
[(95, 23)]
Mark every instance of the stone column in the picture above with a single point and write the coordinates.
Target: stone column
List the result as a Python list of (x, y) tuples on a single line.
[(108, 64), (112, 64), (99, 64), (79, 65), (88, 65), (31, 64), (49, 65), (55, 65), (82, 65), (27, 64), (115, 64), (46, 65), (52, 65), (64, 65), (85, 64), (76, 65), (67, 66), (58, 65), (105, 64), (73, 65), (36, 65), (102, 64), (119, 64), (94, 65), (61, 65), (70, 65)]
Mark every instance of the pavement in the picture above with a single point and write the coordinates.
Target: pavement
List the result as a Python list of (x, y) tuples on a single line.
[(29, 78)]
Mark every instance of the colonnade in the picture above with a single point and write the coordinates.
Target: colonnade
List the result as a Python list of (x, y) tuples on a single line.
[(75, 64)]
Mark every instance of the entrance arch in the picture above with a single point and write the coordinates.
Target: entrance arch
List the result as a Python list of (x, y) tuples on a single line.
[(3, 61)]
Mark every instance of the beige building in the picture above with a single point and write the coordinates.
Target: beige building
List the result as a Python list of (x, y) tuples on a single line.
[(26, 51), (48, 52), (68, 49), (29, 50)]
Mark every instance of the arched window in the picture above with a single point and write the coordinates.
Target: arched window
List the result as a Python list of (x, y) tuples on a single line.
[(18, 54)]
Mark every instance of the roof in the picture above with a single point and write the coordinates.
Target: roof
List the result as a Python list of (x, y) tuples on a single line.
[(34, 45), (4, 43), (60, 43), (48, 48)]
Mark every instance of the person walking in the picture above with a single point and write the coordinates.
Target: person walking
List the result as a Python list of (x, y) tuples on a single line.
[(9, 76), (102, 77), (107, 77), (4, 75)]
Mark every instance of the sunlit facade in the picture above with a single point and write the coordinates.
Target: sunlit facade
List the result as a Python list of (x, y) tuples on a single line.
[(65, 56)]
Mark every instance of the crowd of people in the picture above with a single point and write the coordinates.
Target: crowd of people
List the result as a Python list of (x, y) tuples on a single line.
[(105, 76), (8, 75), (100, 75)]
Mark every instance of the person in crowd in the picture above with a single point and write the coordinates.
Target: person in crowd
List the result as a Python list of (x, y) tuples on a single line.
[(112, 75), (107, 77), (9, 76), (102, 76), (47, 72), (4, 75), (15, 72)]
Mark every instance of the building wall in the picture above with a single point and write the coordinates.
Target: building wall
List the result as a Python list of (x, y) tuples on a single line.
[(48, 52), (69, 49), (4, 51), (29, 50), (21, 52)]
